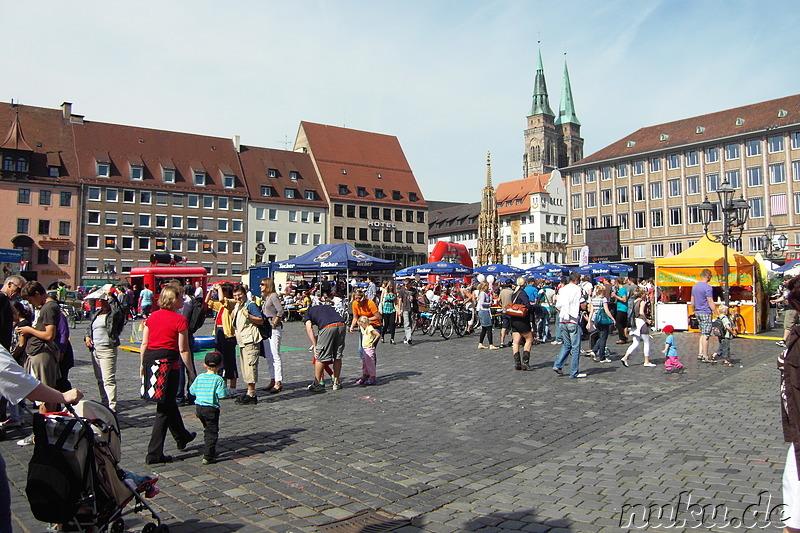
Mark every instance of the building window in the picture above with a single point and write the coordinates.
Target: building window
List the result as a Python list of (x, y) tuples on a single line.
[(311, 195), (375, 213), (66, 199), (292, 215), (222, 224), (272, 173), (605, 173), (144, 220), (343, 190), (638, 168), (64, 228), (44, 197), (655, 164), (413, 197), (144, 243), (162, 198), (112, 195), (591, 176), (420, 217), (103, 170), (576, 201), (292, 238), (605, 220), (639, 220), (44, 227), (638, 192), (675, 216), (795, 136), (591, 223), (199, 179), (754, 177), (777, 173), (127, 243), (137, 173), (673, 161), (361, 192), (222, 203), (656, 191), (420, 237), (693, 185), (63, 257), (731, 151), (674, 188), (622, 195), (777, 203), (734, 177), (591, 199), (208, 202), (110, 242), (175, 245), (222, 247), (290, 193), (605, 198), (577, 226), (24, 196), (379, 194), (712, 182), (622, 221), (146, 197), (797, 203), (273, 237), (675, 248), (622, 170), (176, 222), (775, 144), (756, 207), (110, 218), (712, 155), (575, 177), (753, 147), (657, 249), (691, 158), (161, 221), (338, 232), (228, 181), (23, 225), (93, 218), (168, 174)]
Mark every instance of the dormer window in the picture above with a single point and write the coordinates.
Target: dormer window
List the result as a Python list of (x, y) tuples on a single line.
[(169, 175), (199, 179), (8, 163), (228, 181), (739, 122), (310, 195), (272, 173), (294, 176), (379, 194), (395, 195), (412, 196), (267, 191), (362, 192), (54, 173), (137, 173), (343, 190), (103, 170), (290, 193)]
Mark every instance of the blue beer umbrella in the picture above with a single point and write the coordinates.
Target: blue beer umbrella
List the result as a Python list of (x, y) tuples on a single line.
[(439, 268)]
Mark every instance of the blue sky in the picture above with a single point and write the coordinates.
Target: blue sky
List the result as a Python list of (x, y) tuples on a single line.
[(451, 79)]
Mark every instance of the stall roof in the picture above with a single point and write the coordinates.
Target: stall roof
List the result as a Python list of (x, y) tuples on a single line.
[(705, 252)]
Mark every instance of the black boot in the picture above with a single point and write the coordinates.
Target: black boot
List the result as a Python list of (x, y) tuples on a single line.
[(526, 358), (517, 362)]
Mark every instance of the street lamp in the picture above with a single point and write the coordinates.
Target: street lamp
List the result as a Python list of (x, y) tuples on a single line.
[(734, 217), (769, 246)]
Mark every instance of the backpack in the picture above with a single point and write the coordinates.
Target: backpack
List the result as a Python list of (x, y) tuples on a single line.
[(718, 328), (53, 485), (198, 315)]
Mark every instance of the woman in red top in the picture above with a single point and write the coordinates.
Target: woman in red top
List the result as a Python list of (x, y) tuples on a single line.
[(165, 340)]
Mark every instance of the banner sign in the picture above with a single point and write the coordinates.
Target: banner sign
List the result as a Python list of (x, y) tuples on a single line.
[(680, 276)]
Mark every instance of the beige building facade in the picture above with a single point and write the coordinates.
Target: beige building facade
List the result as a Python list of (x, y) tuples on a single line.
[(651, 183)]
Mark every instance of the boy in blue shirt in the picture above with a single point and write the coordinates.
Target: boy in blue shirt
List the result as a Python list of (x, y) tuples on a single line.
[(208, 388)]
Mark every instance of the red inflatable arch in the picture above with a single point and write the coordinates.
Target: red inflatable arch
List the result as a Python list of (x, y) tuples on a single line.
[(443, 248)]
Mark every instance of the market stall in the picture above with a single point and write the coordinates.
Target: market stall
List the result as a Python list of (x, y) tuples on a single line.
[(676, 275)]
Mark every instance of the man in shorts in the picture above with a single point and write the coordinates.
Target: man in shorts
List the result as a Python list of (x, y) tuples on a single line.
[(328, 343), (246, 319), (704, 310)]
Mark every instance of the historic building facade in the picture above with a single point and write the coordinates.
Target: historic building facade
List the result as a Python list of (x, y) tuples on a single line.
[(651, 182)]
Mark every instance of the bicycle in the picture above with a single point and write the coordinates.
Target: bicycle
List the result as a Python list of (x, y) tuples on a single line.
[(73, 316), (737, 320)]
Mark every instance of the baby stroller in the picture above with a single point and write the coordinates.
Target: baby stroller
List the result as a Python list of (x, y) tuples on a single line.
[(74, 477)]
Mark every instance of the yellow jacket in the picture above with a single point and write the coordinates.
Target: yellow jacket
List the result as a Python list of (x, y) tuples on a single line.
[(226, 306)]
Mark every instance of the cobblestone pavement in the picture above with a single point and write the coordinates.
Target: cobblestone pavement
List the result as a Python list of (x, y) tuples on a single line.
[(453, 439)]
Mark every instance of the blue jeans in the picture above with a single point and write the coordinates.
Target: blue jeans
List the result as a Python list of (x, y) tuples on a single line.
[(544, 324), (571, 337)]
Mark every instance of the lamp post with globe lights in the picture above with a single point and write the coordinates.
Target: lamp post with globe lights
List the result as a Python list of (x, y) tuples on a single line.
[(734, 217), (773, 250)]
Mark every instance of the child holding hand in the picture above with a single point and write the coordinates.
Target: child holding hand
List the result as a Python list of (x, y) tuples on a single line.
[(724, 335), (369, 339), (671, 362), (208, 388)]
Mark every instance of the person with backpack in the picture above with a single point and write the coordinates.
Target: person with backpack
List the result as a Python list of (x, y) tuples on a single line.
[(246, 319), (642, 321), (722, 327), (102, 339)]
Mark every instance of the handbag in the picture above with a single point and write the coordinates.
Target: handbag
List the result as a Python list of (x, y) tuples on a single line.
[(516, 310), (600, 317)]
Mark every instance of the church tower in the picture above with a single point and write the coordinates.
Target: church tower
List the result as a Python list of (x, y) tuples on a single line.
[(541, 136), (488, 222), (570, 146)]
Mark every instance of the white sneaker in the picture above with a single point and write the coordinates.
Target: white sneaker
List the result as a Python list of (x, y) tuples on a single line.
[(579, 376), (649, 364), (27, 441)]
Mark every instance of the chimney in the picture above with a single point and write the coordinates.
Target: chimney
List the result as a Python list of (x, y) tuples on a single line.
[(237, 145), (66, 109)]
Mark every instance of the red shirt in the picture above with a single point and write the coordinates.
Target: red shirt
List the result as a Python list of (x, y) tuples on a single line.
[(163, 328)]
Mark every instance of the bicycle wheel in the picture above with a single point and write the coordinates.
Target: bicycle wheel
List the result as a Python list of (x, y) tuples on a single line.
[(739, 326), (423, 323), (460, 323), (72, 319), (448, 326), (436, 319), (78, 315)]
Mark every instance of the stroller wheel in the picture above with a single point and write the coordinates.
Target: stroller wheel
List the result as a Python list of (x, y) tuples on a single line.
[(149, 528), (118, 526)]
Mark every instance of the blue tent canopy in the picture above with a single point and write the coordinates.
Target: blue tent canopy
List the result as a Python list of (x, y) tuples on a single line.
[(548, 269), (498, 270), (600, 269), (440, 268), (332, 257)]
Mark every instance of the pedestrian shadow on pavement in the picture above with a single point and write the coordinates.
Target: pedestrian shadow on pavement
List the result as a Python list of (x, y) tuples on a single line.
[(518, 521), (194, 525), (300, 389), (238, 446)]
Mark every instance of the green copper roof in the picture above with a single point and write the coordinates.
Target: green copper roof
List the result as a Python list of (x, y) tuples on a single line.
[(566, 109), (541, 104)]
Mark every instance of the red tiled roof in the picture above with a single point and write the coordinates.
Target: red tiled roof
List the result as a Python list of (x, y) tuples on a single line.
[(511, 191), (453, 219), (48, 135), (757, 118), (364, 156), (126, 145), (257, 163)]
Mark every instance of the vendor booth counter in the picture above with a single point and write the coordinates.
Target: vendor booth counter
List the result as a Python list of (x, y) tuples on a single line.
[(675, 277)]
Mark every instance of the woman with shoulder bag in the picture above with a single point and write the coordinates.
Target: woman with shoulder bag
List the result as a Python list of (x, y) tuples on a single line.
[(520, 326), (601, 318), (102, 339), (642, 322), (388, 309), (272, 309)]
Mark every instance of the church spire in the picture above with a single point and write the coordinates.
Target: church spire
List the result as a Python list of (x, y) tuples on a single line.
[(541, 103), (488, 169), (566, 109)]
